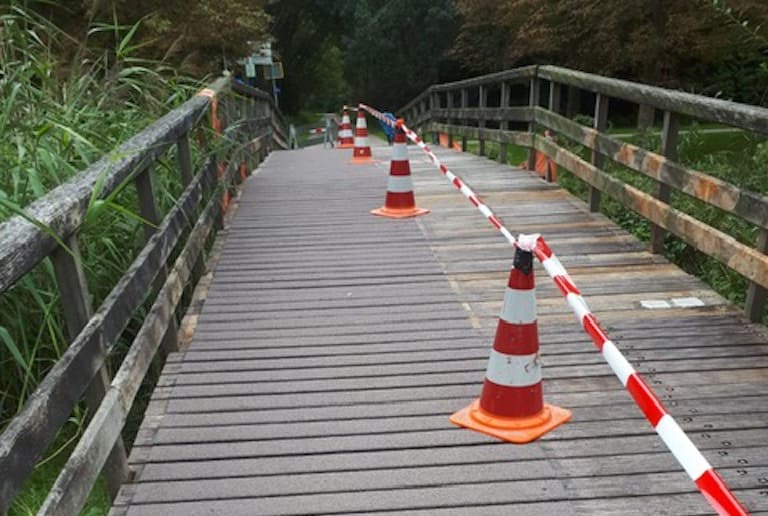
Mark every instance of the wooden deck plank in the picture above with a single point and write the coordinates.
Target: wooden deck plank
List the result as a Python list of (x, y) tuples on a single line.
[(333, 345)]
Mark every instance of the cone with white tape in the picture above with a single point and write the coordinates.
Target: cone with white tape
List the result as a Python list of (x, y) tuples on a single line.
[(346, 139), (361, 153), (511, 406), (400, 201)]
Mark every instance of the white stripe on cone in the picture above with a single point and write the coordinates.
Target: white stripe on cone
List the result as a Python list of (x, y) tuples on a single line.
[(399, 184), (513, 370), (519, 306), (399, 152)]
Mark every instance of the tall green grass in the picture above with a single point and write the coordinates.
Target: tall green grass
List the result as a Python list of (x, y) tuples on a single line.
[(65, 100)]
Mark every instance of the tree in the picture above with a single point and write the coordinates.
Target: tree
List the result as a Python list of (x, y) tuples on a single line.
[(674, 43), (399, 48), (193, 36)]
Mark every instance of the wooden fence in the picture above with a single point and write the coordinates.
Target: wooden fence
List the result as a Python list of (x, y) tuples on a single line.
[(511, 102), (248, 126)]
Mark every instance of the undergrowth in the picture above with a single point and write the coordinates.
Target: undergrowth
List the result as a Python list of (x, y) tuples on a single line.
[(57, 116)]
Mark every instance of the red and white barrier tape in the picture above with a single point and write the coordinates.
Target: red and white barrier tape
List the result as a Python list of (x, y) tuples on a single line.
[(688, 456), (453, 178)]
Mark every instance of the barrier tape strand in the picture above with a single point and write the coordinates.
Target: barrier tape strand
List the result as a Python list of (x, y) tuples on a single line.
[(706, 479)]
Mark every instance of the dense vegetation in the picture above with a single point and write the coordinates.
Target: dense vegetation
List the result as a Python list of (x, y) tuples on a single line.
[(79, 76)]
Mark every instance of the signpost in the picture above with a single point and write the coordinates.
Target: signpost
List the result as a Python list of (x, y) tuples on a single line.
[(272, 69)]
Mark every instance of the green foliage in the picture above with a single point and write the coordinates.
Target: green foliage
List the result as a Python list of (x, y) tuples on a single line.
[(198, 37), (57, 116), (716, 47), (397, 50), (390, 51)]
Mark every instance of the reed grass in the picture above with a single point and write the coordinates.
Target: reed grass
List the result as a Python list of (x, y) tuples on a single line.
[(65, 100)]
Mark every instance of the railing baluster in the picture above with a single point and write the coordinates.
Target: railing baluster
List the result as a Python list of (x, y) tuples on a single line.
[(600, 123), (464, 105), (184, 155), (450, 121), (754, 306), (434, 103), (76, 305), (663, 192), (482, 103), (555, 91), (533, 101), (185, 158), (504, 124), (148, 210)]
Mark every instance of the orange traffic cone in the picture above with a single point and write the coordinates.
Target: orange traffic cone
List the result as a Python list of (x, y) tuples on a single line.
[(346, 140), (399, 202), (511, 406), (362, 151)]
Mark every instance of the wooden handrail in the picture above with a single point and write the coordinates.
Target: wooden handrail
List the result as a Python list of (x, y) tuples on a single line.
[(252, 126), (429, 112)]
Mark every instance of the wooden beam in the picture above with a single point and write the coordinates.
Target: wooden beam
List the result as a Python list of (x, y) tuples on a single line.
[(698, 106), (508, 114), (504, 95), (29, 434), (534, 87), (464, 107), (75, 481), (600, 124), (520, 138), (482, 103), (748, 205), (746, 261), (754, 306), (77, 309), (516, 75), (663, 191), (149, 212), (555, 92), (184, 157)]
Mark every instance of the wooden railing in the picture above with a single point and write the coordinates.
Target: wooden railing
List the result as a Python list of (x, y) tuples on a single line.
[(248, 127), (513, 100)]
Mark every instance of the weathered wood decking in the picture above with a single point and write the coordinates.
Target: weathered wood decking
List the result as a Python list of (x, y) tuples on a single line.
[(334, 344)]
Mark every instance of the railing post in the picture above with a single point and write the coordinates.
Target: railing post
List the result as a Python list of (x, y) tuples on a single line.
[(663, 192), (504, 124), (184, 155), (76, 304), (464, 105), (482, 103), (601, 121), (449, 106), (555, 91), (754, 305), (185, 158), (434, 104), (553, 105), (148, 211), (533, 101)]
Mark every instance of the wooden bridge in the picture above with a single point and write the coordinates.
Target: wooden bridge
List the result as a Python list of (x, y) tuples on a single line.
[(325, 348)]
